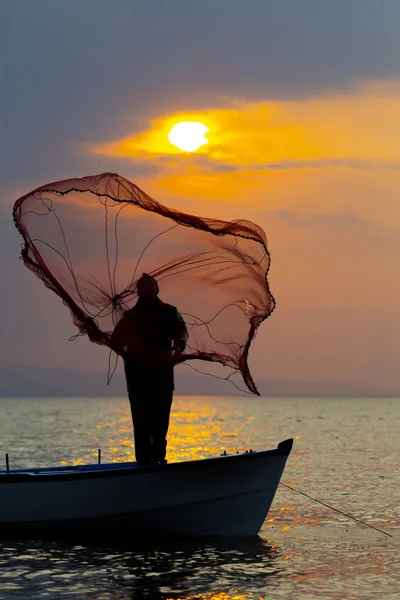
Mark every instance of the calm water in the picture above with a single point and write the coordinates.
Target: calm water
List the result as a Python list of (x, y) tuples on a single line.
[(346, 453)]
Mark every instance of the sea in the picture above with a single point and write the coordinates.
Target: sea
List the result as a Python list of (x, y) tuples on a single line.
[(345, 454)]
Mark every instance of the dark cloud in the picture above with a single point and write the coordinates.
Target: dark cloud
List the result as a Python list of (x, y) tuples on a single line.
[(349, 163), (77, 71), (217, 166)]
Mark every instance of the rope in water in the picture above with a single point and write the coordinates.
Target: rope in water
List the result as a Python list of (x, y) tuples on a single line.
[(335, 509)]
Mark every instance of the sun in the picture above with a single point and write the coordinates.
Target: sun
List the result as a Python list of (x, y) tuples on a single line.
[(188, 135)]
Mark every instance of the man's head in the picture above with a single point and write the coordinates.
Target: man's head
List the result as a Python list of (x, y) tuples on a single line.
[(147, 287)]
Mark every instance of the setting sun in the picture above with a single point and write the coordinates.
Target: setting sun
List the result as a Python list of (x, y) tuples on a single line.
[(188, 135)]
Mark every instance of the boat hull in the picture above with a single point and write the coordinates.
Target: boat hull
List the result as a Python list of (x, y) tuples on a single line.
[(224, 496)]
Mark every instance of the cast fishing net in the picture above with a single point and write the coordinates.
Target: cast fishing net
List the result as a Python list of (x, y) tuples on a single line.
[(90, 239)]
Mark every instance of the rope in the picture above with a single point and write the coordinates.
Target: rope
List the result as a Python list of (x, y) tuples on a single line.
[(335, 509)]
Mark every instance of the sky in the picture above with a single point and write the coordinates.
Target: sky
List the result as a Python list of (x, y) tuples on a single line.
[(301, 100)]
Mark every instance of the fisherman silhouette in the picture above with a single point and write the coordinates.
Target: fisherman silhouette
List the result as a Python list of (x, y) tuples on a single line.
[(152, 335)]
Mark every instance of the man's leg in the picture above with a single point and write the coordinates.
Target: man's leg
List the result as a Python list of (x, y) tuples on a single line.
[(161, 416), (143, 442), (140, 419)]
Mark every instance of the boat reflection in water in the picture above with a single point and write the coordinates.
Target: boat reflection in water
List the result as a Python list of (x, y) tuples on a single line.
[(217, 571)]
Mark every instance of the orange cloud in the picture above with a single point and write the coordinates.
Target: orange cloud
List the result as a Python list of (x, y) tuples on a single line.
[(326, 154), (245, 135), (357, 127)]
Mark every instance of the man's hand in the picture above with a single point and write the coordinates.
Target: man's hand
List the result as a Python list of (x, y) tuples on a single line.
[(177, 350)]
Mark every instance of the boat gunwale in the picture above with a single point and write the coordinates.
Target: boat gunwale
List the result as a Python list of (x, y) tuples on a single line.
[(283, 449)]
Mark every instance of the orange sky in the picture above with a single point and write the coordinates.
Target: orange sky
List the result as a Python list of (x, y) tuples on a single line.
[(328, 155), (358, 130), (322, 176)]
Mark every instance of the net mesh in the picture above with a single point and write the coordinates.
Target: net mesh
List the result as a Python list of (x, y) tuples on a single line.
[(90, 239)]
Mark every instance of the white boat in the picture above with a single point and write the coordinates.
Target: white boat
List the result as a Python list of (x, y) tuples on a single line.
[(229, 495)]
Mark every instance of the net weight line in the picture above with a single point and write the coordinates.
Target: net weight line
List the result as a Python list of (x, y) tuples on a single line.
[(340, 512)]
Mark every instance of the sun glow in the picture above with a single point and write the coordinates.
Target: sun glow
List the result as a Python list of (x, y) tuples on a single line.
[(188, 135)]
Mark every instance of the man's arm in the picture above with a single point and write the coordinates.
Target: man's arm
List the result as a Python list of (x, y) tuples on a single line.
[(180, 334), (119, 337)]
